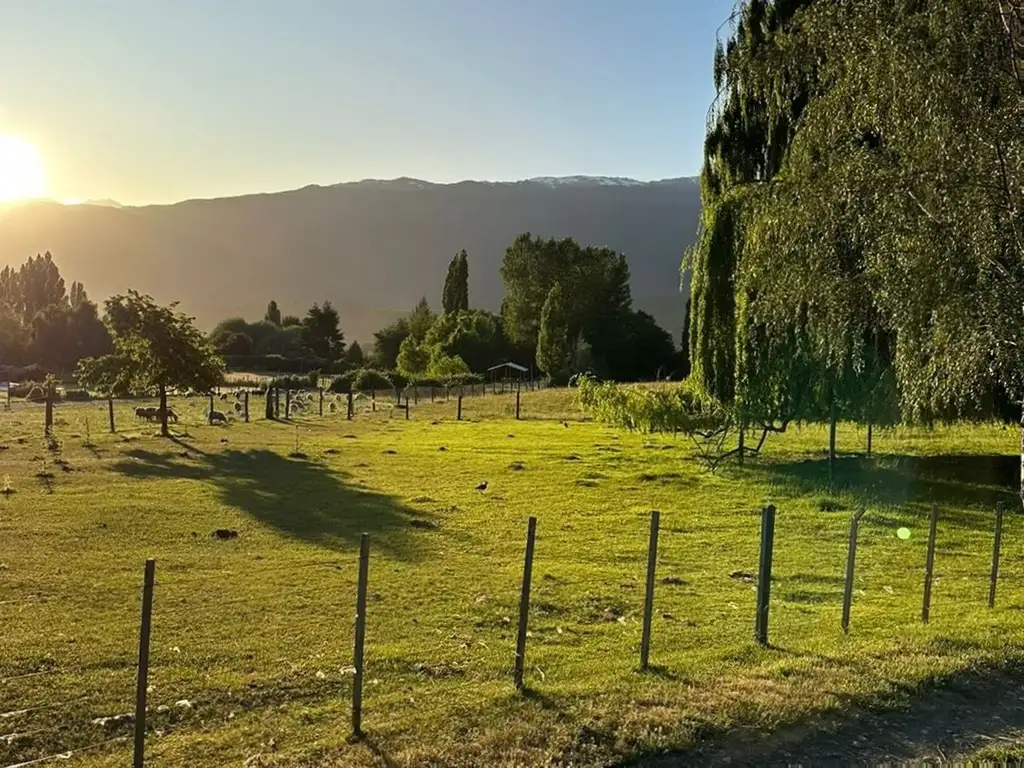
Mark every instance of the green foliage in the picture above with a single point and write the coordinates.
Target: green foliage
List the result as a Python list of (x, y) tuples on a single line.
[(446, 368), (232, 343), (291, 321), (273, 315), (553, 341), (388, 342), (103, 374), (160, 348), (645, 408), (413, 359), (77, 395), (595, 286), (308, 381), (455, 296), (366, 379), (420, 320), (355, 355), (475, 336), (321, 332)]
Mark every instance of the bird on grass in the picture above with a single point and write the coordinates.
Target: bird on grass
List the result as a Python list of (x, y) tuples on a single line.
[(482, 486), (565, 424)]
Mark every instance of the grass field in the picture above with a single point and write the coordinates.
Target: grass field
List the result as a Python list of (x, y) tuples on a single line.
[(252, 637)]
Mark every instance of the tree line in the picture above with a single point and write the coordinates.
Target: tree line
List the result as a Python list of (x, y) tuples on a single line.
[(861, 246)]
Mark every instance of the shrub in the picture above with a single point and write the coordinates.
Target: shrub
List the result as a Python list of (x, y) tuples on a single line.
[(366, 379), (77, 395), (303, 381)]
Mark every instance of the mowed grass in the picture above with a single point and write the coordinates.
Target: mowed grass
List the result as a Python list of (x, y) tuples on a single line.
[(252, 636)]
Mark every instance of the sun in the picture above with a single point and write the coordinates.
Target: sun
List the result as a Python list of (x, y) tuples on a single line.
[(21, 170)]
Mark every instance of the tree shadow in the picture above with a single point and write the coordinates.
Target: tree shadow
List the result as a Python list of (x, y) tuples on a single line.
[(947, 718), (299, 497), (963, 480)]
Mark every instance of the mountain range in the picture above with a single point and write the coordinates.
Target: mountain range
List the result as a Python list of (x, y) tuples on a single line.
[(372, 247)]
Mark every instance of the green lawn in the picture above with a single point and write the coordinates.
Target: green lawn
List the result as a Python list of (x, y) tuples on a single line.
[(256, 633)]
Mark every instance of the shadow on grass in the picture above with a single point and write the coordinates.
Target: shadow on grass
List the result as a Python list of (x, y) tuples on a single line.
[(298, 497), (966, 480), (949, 717)]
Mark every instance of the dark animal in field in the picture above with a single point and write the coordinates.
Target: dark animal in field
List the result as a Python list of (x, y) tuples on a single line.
[(144, 412), (482, 486), (225, 533), (238, 408), (171, 415), (224, 396), (216, 416)]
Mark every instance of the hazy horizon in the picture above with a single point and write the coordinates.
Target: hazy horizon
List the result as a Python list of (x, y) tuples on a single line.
[(150, 104)]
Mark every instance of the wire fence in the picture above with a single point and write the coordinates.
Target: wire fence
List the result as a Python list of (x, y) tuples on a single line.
[(304, 642)]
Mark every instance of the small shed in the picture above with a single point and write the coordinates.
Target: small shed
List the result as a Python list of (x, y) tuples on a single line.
[(507, 373)]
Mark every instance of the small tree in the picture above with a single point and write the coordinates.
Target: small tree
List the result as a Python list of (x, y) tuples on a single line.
[(273, 313), (446, 368), (553, 339), (413, 359), (321, 332), (355, 355), (455, 297), (104, 375), (160, 348)]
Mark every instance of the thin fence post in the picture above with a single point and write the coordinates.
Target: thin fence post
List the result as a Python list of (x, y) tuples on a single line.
[(764, 574), (407, 407), (870, 435), (996, 542), (458, 412), (321, 401), (524, 603), (351, 407), (48, 424), (110, 412), (245, 405), (851, 556), (652, 558), (143, 674), (415, 394), (929, 565), (268, 412), (277, 402), (517, 403), (357, 680), (373, 399), (209, 415), (287, 404)]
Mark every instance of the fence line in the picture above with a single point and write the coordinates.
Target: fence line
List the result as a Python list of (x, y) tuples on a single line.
[(364, 631)]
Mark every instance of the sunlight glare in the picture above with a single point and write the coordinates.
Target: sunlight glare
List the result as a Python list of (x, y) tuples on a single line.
[(21, 170)]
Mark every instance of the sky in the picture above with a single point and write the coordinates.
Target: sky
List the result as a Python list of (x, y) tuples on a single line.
[(147, 101)]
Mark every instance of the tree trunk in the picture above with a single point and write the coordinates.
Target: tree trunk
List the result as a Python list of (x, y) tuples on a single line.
[(48, 427), (1022, 453), (870, 430), (742, 448), (163, 411), (832, 432)]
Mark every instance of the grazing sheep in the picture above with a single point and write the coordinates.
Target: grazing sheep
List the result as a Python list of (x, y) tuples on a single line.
[(144, 412), (238, 407), (224, 396), (333, 406), (157, 413), (216, 416)]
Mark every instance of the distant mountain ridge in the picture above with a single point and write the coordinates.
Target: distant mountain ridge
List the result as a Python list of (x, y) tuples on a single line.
[(372, 247)]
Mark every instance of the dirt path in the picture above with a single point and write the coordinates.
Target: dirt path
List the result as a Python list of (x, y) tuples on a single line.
[(951, 721)]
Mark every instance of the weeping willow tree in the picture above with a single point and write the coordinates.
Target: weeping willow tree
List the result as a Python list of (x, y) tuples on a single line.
[(771, 367), (886, 251)]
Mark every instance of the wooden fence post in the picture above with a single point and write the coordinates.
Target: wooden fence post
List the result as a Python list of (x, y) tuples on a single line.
[(142, 681), (458, 412), (110, 412), (351, 407), (209, 415), (357, 680), (652, 559), (48, 418), (851, 556), (524, 603), (870, 435), (406, 407), (277, 402), (321, 401), (517, 403), (996, 542), (373, 399), (287, 404), (269, 412), (929, 565), (764, 574), (245, 405)]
